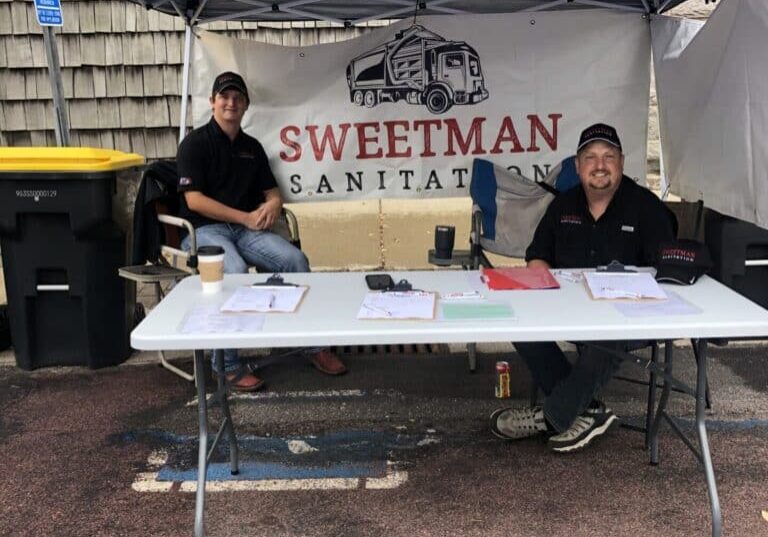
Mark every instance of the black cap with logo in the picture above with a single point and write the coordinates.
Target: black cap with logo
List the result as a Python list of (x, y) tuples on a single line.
[(682, 261), (599, 132), (229, 80)]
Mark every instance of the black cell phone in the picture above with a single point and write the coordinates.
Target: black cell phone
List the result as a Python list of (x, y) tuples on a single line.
[(378, 282)]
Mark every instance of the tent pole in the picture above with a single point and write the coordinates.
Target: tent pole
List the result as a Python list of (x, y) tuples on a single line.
[(185, 83), (60, 118)]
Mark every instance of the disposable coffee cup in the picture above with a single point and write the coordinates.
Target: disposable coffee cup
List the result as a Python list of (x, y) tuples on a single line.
[(210, 265), (444, 238)]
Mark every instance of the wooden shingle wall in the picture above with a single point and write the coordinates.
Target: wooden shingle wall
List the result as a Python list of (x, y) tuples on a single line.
[(121, 72)]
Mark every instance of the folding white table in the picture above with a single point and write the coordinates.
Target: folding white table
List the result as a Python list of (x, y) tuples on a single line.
[(327, 316)]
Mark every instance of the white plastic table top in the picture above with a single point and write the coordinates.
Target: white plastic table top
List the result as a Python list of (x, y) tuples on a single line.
[(327, 315)]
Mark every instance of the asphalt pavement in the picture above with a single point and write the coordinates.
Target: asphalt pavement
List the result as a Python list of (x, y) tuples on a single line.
[(397, 447)]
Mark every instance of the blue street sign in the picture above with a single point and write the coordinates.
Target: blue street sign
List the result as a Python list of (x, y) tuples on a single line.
[(49, 13)]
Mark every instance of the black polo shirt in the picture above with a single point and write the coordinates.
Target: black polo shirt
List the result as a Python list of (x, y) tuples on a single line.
[(235, 173), (629, 231)]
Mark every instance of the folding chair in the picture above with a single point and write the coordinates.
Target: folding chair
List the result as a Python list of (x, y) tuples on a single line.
[(157, 256), (506, 207)]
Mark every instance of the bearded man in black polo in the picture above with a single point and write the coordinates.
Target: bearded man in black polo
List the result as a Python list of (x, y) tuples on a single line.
[(606, 217)]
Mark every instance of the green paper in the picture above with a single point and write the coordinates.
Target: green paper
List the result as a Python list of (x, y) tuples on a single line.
[(455, 311)]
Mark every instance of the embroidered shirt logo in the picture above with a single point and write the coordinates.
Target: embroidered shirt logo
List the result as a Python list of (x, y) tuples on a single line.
[(185, 181), (570, 219)]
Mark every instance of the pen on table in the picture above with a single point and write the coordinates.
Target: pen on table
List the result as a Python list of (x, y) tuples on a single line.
[(568, 275), (376, 309), (461, 296), (619, 293)]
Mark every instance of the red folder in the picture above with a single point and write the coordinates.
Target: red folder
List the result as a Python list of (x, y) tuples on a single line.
[(518, 278)]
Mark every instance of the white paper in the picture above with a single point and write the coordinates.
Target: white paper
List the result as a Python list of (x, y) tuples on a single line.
[(209, 320), (674, 306), (397, 305), (621, 285), (282, 298)]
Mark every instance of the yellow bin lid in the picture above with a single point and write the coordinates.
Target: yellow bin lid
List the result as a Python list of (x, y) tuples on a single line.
[(65, 159)]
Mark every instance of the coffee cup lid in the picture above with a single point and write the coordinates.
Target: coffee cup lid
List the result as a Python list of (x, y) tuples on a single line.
[(209, 250)]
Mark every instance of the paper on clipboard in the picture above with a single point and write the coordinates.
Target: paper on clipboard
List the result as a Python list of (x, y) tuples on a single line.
[(397, 305), (621, 285), (265, 299)]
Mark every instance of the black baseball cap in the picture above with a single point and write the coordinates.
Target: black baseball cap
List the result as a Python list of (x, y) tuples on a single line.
[(599, 131), (682, 261), (229, 80)]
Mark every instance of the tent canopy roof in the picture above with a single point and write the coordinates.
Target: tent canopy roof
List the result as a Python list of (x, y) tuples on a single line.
[(351, 12)]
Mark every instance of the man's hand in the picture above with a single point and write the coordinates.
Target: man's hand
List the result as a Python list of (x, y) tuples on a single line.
[(264, 217)]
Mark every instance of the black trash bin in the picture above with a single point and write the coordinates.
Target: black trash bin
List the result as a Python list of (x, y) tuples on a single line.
[(61, 252), (739, 255)]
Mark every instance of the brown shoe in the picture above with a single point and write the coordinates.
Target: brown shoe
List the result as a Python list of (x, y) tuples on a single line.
[(243, 380), (327, 362)]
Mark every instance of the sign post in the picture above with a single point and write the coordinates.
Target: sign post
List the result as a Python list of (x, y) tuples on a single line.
[(49, 15)]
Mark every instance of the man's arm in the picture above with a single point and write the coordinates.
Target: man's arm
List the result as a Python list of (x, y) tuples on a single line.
[(263, 217), (215, 210), (541, 252), (537, 263)]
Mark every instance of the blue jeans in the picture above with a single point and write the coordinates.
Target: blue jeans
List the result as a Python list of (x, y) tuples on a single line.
[(569, 389), (243, 247)]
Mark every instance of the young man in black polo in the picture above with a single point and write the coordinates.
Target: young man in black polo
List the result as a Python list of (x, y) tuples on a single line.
[(607, 217), (231, 197)]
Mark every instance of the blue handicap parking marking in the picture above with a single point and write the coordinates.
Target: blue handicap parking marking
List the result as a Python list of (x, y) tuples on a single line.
[(261, 471), (335, 455)]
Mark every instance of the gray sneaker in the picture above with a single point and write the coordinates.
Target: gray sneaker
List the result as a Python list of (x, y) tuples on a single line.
[(588, 426), (516, 423)]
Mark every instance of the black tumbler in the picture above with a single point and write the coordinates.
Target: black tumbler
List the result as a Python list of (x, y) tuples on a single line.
[(444, 237)]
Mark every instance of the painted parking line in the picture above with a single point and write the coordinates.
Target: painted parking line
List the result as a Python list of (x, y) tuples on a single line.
[(318, 394)]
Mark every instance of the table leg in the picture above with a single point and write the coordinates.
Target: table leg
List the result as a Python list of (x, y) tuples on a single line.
[(651, 394), (202, 465), (221, 395), (665, 390), (701, 429)]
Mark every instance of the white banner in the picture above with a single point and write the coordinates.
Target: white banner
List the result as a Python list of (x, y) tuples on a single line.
[(712, 83), (401, 112)]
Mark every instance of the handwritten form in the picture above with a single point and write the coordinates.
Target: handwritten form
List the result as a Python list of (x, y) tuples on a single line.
[(397, 305), (621, 285), (279, 298), (208, 319)]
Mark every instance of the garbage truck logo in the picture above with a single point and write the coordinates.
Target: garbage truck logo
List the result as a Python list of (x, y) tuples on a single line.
[(419, 67), (36, 194)]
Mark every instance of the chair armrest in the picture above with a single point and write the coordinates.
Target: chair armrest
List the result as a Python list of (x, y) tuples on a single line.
[(287, 226), (182, 223), (185, 224)]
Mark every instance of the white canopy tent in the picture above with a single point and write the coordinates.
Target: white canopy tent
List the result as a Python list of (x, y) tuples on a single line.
[(351, 12), (712, 84), (689, 105)]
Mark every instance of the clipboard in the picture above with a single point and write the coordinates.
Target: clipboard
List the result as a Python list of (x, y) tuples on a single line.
[(265, 299)]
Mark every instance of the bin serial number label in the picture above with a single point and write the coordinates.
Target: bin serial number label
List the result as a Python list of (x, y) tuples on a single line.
[(36, 194)]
